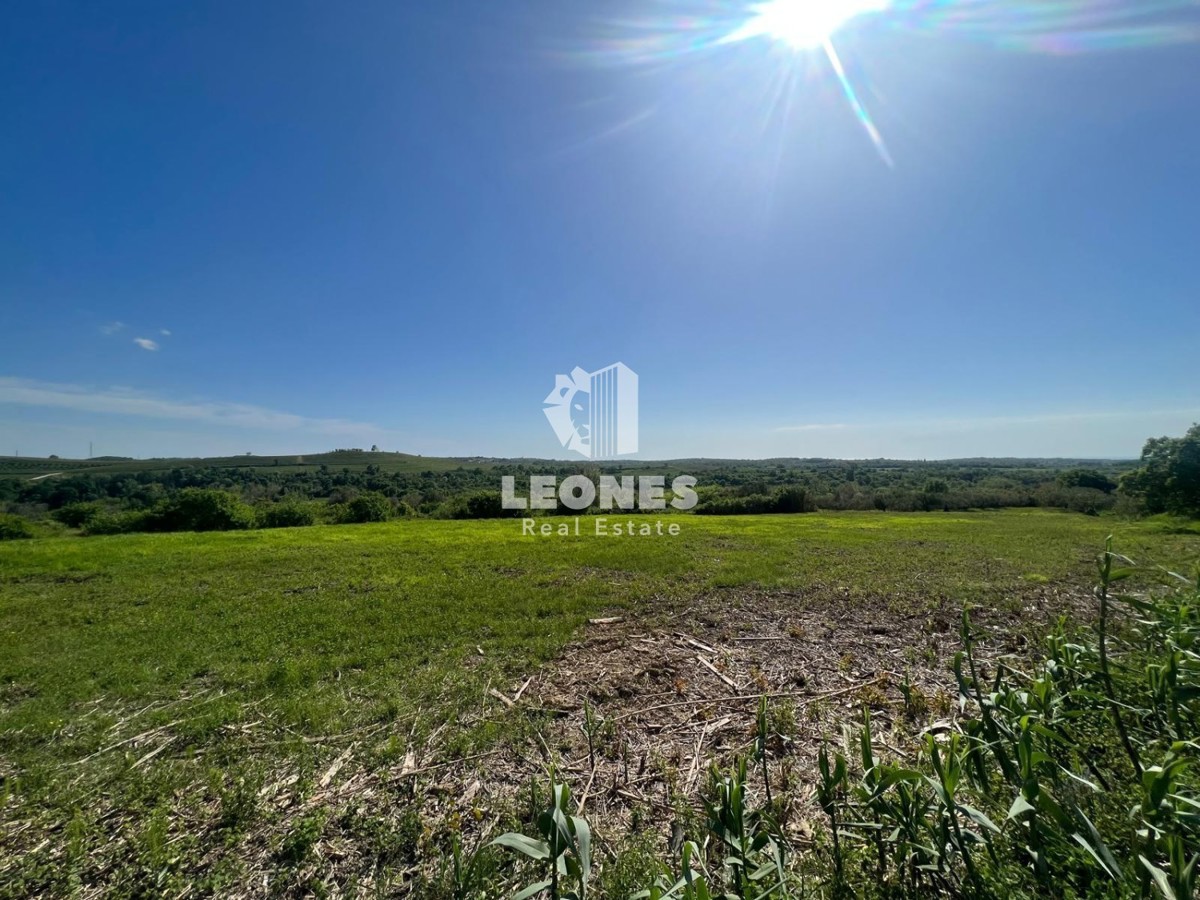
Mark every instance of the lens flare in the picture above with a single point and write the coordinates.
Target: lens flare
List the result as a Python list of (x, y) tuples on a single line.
[(810, 25), (687, 31), (803, 24)]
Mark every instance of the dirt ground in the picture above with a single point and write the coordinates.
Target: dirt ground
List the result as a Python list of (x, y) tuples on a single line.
[(664, 702)]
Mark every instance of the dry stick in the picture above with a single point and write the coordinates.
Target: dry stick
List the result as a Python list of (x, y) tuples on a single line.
[(337, 765), (772, 637), (128, 740), (743, 697), (153, 753), (499, 696), (518, 694), (695, 760), (728, 681), (448, 762), (695, 643), (587, 789)]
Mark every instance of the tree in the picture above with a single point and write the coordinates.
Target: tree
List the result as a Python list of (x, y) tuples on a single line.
[(1087, 478), (1169, 478)]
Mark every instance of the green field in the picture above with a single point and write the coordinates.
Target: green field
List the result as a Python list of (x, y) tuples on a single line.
[(145, 675)]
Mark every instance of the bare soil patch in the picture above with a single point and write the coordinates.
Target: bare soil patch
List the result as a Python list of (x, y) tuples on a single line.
[(634, 714)]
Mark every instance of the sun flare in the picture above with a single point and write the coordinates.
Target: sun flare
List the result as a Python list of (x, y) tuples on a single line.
[(806, 24)]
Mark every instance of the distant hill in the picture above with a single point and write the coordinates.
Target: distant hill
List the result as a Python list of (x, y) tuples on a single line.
[(355, 460), (358, 460)]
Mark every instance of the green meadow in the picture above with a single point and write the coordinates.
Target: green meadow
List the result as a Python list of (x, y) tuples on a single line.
[(259, 648)]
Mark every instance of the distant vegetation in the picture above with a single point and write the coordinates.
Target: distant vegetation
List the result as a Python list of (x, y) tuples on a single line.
[(115, 495)]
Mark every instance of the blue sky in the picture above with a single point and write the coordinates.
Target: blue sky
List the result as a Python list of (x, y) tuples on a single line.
[(384, 223)]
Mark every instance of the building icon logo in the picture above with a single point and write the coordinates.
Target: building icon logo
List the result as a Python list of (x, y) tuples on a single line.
[(595, 414)]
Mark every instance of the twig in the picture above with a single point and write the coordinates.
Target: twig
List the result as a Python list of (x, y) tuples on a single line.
[(687, 790), (769, 637), (337, 764), (744, 697), (517, 695), (695, 643), (449, 762), (587, 789), (501, 697), (725, 678), (128, 740)]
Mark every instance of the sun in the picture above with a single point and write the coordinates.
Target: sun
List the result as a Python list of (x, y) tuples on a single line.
[(805, 24), (810, 25)]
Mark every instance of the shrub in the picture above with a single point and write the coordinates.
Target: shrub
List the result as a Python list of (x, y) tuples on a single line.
[(487, 505), (288, 514), (791, 500), (197, 509), (117, 523), (1090, 501), (368, 507), (14, 528), (77, 515), (784, 500)]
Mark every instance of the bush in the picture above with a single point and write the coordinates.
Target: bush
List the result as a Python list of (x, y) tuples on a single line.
[(14, 528), (368, 507), (791, 500), (77, 515), (752, 504), (489, 505), (197, 509), (783, 500), (1090, 501), (288, 514), (117, 523)]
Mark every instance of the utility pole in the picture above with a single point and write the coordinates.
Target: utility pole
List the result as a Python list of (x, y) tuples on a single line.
[(89, 449)]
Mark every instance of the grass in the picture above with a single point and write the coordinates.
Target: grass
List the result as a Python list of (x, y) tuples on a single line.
[(295, 635), (394, 607)]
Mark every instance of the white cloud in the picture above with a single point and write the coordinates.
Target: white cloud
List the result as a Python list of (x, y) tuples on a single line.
[(146, 343), (128, 402), (165, 332), (111, 327)]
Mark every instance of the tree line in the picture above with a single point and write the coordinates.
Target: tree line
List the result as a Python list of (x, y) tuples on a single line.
[(221, 497)]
